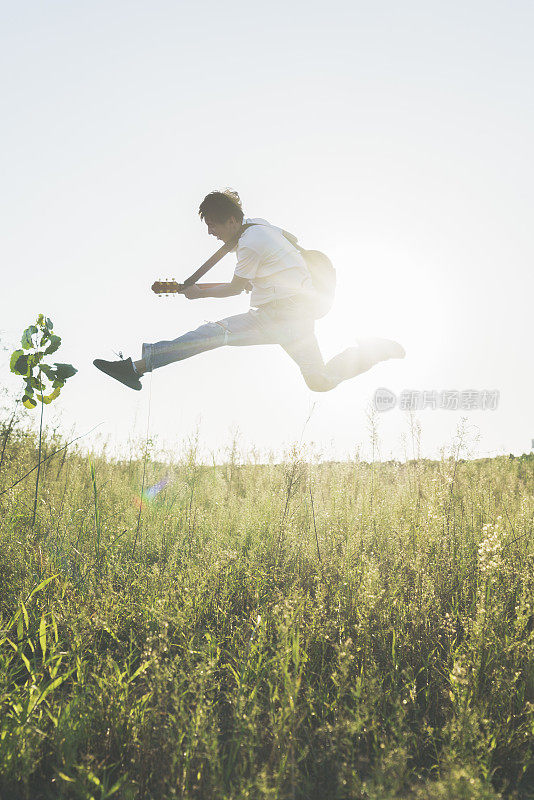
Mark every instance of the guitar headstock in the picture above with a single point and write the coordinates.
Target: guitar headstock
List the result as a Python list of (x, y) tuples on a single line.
[(167, 287)]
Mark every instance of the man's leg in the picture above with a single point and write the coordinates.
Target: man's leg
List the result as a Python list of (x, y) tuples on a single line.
[(321, 377), (306, 353), (159, 354), (241, 329)]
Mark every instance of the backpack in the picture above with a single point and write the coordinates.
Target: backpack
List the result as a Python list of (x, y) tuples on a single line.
[(322, 271)]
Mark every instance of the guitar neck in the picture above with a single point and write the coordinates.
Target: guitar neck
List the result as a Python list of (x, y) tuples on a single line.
[(172, 287)]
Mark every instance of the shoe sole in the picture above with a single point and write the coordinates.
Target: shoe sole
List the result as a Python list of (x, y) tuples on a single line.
[(102, 366)]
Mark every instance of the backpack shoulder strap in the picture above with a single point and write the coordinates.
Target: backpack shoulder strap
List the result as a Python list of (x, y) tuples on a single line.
[(291, 238)]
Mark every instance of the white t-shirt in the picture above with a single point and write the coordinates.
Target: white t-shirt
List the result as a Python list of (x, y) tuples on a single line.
[(269, 261)]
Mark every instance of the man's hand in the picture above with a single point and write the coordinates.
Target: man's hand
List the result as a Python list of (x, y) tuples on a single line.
[(193, 292), (236, 286)]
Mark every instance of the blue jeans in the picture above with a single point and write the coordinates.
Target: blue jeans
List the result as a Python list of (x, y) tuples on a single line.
[(289, 323)]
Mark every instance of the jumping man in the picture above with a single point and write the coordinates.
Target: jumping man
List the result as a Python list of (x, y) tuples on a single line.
[(282, 298)]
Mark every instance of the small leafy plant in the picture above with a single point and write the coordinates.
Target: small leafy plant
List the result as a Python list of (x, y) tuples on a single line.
[(38, 341)]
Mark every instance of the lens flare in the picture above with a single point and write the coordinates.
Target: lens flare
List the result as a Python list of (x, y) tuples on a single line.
[(148, 495)]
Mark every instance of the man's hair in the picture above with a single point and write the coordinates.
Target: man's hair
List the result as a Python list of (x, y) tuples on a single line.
[(220, 206)]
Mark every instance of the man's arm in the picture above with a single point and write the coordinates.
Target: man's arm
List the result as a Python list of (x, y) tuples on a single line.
[(236, 286)]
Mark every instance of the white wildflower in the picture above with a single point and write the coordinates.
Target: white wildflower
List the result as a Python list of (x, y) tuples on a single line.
[(490, 548), (459, 674)]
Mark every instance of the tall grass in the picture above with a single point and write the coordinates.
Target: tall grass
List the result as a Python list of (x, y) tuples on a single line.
[(296, 630)]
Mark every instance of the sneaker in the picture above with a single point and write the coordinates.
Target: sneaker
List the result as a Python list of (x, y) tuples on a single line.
[(122, 371)]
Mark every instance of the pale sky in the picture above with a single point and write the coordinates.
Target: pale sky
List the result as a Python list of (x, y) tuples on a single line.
[(396, 137)]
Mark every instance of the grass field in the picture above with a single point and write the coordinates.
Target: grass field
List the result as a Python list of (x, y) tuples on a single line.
[(293, 630)]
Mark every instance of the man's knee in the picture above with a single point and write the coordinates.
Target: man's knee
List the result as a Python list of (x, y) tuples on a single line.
[(212, 331), (207, 328), (318, 382)]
